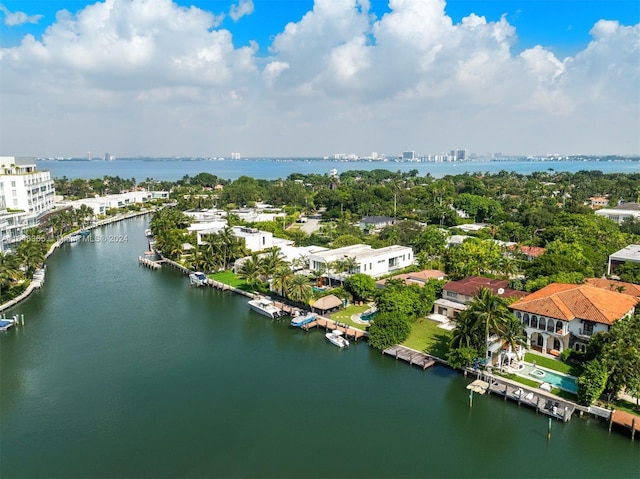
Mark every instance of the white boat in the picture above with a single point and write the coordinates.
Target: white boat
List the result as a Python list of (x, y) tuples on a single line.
[(265, 306), (299, 320), (336, 338), (198, 279)]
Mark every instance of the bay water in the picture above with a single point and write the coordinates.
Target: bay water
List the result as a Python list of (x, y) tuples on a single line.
[(272, 169), (121, 371)]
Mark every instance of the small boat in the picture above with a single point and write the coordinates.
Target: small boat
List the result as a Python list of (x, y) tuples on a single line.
[(6, 324), (148, 233), (265, 306), (73, 238), (84, 233), (198, 279), (299, 320), (336, 338)]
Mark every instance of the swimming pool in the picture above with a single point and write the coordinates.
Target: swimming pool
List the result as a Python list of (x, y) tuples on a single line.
[(562, 381)]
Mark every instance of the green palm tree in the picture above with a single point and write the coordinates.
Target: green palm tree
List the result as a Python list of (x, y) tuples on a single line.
[(465, 334), (490, 313), (281, 276), (513, 335), (9, 270), (272, 260), (298, 289), (250, 270)]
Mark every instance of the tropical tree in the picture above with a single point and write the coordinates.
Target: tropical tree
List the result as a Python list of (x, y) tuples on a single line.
[(490, 313), (388, 329), (298, 289), (465, 334), (250, 270), (280, 277), (360, 285), (513, 335), (9, 270)]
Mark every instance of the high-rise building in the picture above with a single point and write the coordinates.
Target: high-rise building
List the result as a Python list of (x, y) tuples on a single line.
[(408, 155), (22, 187), (107, 157)]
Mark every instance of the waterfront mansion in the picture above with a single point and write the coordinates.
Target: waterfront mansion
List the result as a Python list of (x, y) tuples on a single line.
[(561, 316)]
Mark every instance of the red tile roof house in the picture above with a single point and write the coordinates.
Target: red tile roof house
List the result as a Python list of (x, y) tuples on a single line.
[(529, 252), (561, 316), (457, 294)]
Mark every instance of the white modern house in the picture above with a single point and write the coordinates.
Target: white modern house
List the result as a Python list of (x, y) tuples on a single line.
[(621, 212), (374, 262), (630, 254)]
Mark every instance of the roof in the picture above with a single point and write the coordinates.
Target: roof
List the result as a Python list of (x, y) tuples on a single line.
[(327, 302), (577, 301), (470, 287), (628, 207), (613, 285), (419, 277), (377, 219), (532, 251), (629, 253)]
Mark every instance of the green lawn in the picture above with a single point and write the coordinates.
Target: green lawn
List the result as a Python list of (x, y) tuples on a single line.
[(626, 406), (554, 364), (230, 278), (426, 336), (344, 315)]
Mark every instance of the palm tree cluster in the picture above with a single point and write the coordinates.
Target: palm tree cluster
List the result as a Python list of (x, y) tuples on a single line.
[(28, 256), (60, 223), (487, 317), (272, 267)]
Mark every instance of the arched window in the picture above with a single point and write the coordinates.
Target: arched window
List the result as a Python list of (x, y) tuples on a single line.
[(559, 327), (542, 324), (518, 315), (534, 321), (525, 319), (551, 325)]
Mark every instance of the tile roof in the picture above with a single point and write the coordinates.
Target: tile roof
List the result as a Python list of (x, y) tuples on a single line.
[(577, 301), (470, 287), (419, 277), (532, 251), (613, 285)]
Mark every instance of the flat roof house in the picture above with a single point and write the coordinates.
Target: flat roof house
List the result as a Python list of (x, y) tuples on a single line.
[(374, 262), (630, 253)]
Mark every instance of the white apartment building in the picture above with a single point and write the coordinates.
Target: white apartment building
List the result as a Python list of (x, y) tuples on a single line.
[(23, 187), (374, 262), (100, 204)]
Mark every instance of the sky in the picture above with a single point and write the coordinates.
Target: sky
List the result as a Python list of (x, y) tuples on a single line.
[(312, 78)]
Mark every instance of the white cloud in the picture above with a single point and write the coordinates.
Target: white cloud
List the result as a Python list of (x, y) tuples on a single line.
[(244, 7), (13, 19), (151, 77)]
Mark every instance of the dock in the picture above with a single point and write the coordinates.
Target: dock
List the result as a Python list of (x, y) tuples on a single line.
[(148, 263), (625, 419), (327, 324), (413, 357), (536, 398)]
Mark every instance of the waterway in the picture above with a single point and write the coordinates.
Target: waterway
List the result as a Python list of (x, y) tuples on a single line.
[(271, 169), (121, 371)]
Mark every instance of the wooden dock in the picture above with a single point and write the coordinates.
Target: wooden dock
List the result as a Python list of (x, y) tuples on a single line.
[(148, 263), (625, 419), (413, 357), (327, 324), (536, 398)]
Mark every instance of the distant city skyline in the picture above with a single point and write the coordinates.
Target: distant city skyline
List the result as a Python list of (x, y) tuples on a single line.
[(314, 78)]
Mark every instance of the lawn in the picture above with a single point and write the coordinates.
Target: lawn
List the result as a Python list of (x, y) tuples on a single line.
[(230, 278), (554, 364), (344, 315), (426, 336)]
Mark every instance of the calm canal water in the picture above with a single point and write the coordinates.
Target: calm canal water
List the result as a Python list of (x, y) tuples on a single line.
[(122, 371)]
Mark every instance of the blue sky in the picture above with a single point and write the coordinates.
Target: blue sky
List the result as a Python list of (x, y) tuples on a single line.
[(519, 76), (560, 25)]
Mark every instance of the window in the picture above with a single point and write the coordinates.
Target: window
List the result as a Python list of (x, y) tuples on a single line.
[(534, 321), (525, 319)]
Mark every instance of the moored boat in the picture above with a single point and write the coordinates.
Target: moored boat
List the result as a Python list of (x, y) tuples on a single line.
[(336, 338), (265, 306), (300, 320), (198, 279)]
